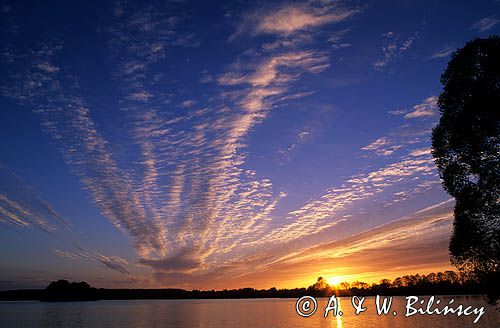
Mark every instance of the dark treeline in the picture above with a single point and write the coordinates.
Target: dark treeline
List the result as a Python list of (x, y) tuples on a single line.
[(441, 283)]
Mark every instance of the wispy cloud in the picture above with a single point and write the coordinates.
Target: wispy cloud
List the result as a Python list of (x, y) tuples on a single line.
[(292, 19), (393, 47), (427, 108), (443, 53), (188, 103), (302, 137), (22, 206), (48, 68), (382, 147), (421, 152), (68, 120), (410, 134), (289, 19), (328, 210), (111, 262), (484, 24)]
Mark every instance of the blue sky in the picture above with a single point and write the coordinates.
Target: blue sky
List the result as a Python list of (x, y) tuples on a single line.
[(224, 144)]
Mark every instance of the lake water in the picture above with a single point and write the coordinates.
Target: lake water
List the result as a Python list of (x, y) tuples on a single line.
[(228, 313)]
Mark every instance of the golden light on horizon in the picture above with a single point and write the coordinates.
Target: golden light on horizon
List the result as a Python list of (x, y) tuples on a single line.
[(334, 281)]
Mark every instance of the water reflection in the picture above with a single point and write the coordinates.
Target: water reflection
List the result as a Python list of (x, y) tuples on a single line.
[(339, 317), (224, 313)]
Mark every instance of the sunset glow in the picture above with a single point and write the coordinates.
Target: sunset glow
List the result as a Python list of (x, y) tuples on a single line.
[(334, 281)]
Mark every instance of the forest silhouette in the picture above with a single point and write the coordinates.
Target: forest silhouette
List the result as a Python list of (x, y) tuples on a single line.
[(441, 283)]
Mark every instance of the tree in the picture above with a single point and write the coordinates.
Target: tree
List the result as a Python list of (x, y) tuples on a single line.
[(360, 285), (385, 283), (63, 290), (320, 284), (345, 285), (466, 146)]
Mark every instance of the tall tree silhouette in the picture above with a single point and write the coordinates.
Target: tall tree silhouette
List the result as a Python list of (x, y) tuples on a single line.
[(466, 146)]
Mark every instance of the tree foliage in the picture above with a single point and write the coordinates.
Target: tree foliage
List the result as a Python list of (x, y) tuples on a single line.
[(466, 146)]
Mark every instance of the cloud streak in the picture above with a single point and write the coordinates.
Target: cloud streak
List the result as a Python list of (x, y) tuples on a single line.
[(115, 263), (288, 19), (327, 211), (67, 119), (22, 206), (485, 24), (292, 19), (443, 53)]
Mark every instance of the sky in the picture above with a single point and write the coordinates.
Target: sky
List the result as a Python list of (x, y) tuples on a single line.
[(218, 144)]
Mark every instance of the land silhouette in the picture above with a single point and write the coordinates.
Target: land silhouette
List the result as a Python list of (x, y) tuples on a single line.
[(441, 283)]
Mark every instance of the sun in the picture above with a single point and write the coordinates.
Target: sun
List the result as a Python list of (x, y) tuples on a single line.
[(333, 281)]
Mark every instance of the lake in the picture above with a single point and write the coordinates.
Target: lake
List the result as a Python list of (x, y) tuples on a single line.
[(228, 313)]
